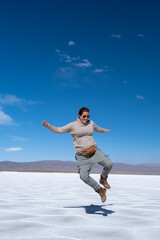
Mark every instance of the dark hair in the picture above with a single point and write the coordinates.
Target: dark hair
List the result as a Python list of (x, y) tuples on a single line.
[(83, 109)]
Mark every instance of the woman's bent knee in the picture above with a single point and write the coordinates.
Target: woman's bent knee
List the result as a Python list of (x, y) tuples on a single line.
[(108, 163)]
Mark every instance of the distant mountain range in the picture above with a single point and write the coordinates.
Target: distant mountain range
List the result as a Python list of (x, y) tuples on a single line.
[(70, 166)]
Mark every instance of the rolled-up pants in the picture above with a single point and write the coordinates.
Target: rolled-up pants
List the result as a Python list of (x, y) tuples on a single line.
[(85, 164)]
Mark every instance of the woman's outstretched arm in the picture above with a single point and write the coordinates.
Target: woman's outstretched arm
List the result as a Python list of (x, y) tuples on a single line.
[(99, 129), (63, 129)]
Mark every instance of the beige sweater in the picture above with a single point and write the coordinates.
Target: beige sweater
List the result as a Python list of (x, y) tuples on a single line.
[(82, 133)]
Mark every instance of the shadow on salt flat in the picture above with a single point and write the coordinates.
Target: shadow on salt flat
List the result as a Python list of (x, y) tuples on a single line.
[(95, 209)]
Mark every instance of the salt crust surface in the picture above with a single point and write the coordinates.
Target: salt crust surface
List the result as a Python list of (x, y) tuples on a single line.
[(59, 206)]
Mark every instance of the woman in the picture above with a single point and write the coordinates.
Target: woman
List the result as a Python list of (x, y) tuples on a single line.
[(87, 151)]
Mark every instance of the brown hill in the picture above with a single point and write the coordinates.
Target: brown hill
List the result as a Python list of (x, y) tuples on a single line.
[(70, 166)]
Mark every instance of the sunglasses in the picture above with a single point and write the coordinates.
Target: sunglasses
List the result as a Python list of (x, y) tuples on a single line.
[(85, 116)]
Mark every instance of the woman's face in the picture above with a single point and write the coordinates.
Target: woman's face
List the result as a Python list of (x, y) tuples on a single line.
[(84, 117)]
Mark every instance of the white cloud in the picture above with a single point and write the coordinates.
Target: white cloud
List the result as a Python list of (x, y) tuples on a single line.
[(140, 35), (106, 66), (11, 100), (64, 70), (17, 138), (100, 70), (66, 57), (140, 97), (84, 64), (71, 43), (97, 70), (116, 36), (13, 149), (7, 99), (57, 50), (5, 119), (75, 58)]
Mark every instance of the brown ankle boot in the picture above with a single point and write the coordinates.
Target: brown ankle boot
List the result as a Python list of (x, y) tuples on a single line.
[(102, 193), (104, 182)]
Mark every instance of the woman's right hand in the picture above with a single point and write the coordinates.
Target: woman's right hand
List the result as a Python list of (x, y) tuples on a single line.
[(44, 123)]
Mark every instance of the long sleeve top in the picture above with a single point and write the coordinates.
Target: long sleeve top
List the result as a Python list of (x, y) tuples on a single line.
[(82, 133)]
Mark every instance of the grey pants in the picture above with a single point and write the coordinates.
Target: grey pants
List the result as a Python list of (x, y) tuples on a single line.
[(85, 164)]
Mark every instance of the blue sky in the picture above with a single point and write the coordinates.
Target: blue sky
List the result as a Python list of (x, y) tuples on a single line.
[(58, 56)]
